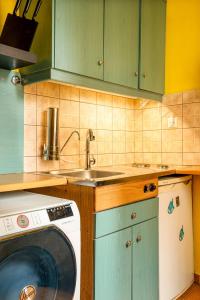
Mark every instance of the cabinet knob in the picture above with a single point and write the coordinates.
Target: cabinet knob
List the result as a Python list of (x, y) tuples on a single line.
[(144, 75), (128, 243), (100, 62), (138, 239), (136, 74), (133, 216)]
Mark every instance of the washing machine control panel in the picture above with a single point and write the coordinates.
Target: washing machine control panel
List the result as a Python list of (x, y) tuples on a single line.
[(60, 212)]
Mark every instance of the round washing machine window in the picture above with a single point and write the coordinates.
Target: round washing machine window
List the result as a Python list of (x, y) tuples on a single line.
[(37, 266)]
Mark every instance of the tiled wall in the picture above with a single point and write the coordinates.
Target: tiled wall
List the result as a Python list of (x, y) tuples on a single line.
[(156, 143), (111, 118), (126, 130)]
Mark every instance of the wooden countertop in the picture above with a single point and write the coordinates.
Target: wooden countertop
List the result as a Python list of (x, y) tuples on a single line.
[(191, 170), (14, 182), (21, 181)]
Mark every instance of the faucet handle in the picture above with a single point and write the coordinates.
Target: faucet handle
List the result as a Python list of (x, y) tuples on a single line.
[(92, 160), (91, 135), (45, 154)]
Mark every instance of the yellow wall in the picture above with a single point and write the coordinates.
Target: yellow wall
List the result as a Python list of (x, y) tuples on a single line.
[(5, 9), (183, 45)]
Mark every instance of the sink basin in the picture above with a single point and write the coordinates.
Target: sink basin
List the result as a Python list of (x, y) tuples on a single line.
[(88, 174)]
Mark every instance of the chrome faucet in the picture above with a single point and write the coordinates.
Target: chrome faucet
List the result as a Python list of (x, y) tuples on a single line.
[(88, 160), (73, 132)]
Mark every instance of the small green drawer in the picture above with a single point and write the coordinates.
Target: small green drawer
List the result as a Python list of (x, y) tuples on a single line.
[(122, 217)]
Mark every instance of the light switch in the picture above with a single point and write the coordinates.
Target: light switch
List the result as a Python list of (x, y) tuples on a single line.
[(172, 122)]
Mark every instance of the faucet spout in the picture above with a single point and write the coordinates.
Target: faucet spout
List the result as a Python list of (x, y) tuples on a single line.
[(73, 132), (88, 160)]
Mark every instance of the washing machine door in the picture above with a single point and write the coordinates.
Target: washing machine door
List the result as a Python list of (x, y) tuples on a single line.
[(37, 266)]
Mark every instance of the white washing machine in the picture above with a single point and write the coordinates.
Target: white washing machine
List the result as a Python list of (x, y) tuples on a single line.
[(176, 261), (39, 248)]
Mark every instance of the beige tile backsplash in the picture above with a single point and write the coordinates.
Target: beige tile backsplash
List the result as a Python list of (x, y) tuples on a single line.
[(126, 130)]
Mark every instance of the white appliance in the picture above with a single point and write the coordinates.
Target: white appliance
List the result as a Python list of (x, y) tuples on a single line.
[(39, 247), (176, 263)]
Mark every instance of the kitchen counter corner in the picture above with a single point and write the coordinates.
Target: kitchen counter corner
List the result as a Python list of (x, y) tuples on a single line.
[(21, 181)]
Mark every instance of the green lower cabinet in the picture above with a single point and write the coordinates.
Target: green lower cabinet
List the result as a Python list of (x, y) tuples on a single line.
[(126, 262), (145, 261), (113, 266)]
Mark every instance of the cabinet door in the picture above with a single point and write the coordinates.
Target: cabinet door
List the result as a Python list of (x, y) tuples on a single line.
[(79, 36), (145, 261), (152, 56), (121, 42), (113, 266)]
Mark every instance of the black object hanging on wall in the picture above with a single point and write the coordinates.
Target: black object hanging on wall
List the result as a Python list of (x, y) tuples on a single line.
[(18, 31)]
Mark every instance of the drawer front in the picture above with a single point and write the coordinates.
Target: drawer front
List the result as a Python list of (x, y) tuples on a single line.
[(115, 195), (118, 218)]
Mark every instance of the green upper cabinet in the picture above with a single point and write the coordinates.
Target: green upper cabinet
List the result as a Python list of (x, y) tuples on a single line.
[(79, 37), (121, 42), (116, 46), (152, 50)]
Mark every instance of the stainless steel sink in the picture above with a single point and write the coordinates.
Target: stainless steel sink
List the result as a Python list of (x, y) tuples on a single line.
[(87, 174)]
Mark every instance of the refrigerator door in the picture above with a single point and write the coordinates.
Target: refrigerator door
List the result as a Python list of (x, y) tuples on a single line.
[(176, 266)]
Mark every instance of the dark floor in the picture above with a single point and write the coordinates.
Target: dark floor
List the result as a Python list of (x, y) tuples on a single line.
[(192, 294)]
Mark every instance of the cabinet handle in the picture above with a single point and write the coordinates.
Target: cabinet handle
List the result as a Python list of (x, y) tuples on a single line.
[(138, 238), (128, 243), (100, 62), (133, 216)]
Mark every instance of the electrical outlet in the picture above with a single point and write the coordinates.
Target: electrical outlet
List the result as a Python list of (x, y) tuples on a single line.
[(172, 122)]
